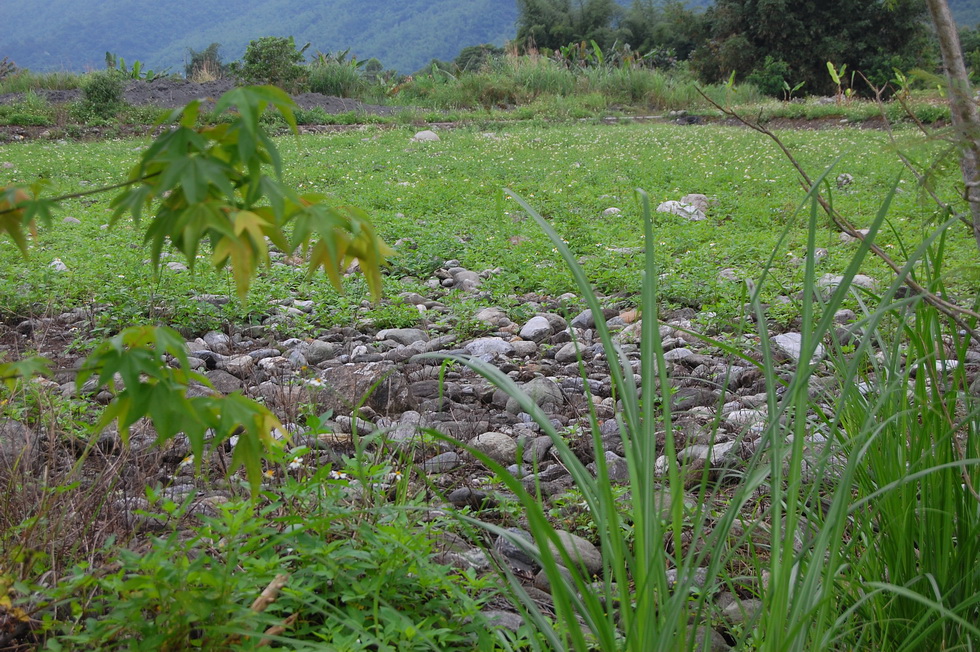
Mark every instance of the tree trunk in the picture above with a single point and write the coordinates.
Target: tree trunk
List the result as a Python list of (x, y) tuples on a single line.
[(966, 118)]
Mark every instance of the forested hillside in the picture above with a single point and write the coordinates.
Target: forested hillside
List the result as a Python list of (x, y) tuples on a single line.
[(75, 34)]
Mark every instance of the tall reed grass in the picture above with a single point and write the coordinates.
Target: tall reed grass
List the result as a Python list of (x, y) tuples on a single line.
[(854, 525), (23, 81)]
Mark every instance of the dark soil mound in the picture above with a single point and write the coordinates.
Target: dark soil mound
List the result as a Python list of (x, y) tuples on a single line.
[(171, 93)]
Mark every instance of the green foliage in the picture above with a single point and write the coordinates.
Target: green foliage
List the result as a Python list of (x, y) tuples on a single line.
[(102, 93), (339, 577), (397, 314), (273, 60), (210, 187), (772, 78), (138, 72), (149, 387), (887, 562), (864, 35)]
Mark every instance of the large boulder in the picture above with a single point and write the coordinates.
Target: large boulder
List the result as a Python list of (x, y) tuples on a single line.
[(344, 386)]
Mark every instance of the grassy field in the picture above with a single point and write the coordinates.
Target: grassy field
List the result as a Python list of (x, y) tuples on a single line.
[(878, 572), (442, 201)]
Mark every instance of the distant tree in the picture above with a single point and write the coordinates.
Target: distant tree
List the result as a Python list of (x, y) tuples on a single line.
[(554, 23), (866, 35), (274, 60), (655, 26), (373, 69), (970, 47), (474, 57)]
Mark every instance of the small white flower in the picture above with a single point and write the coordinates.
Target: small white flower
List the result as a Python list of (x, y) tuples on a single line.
[(315, 382), (187, 461), (338, 475), (296, 464)]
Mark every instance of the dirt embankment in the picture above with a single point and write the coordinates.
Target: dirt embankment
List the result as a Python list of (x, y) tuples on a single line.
[(170, 93)]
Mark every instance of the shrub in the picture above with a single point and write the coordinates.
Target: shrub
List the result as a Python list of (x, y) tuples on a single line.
[(273, 60), (771, 78), (102, 94)]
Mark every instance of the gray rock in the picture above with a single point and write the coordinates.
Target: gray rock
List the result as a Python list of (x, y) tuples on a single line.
[(845, 238), (497, 446), (467, 281), (831, 282), (218, 342), (571, 353), (504, 619), (493, 317), (742, 611), (675, 355), (403, 336), (697, 577), (488, 348), (716, 456), (224, 382), (791, 345), (536, 329), (744, 418), (682, 209), (442, 462), (346, 385), (467, 497), (261, 354), (584, 319), (241, 366), (276, 366), (320, 351), (524, 348), (515, 554), (537, 450), (707, 639), (616, 467), (543, 391), (580, 550), (426, 136)]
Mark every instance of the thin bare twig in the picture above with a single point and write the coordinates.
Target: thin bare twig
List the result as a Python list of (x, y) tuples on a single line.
[(271, 592), (86, 193), (277, 630), (920, 177), (261, 603)]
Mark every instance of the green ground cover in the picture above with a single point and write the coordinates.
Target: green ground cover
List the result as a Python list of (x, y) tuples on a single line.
[(443, 199)]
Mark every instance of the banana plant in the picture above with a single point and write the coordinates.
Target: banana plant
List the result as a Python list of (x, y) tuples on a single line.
[(837, 75)]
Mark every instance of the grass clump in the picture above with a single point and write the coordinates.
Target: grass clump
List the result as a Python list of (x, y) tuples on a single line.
[(853, 525)]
